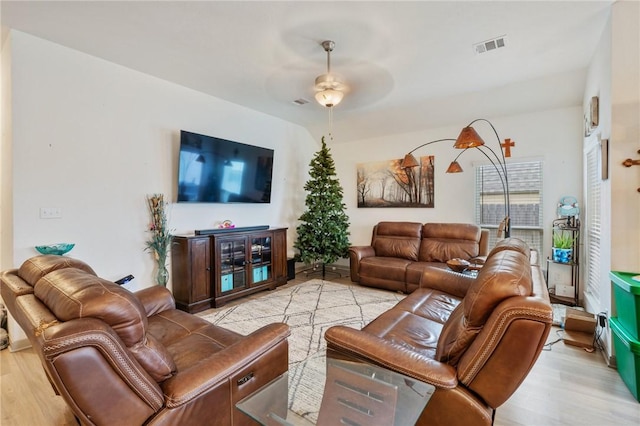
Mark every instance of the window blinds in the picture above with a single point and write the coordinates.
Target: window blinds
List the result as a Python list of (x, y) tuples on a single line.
[(525, 189), (593, 222)]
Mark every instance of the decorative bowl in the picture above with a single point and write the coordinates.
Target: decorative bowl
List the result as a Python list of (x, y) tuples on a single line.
[(458, 265), (59, 249)]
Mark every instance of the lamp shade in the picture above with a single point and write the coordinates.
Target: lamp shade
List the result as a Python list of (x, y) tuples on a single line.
[(409, 161), (468, 138), (329, 97), (454, 167)]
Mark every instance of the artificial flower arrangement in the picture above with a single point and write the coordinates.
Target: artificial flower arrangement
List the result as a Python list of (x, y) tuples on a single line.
[(161, 237)]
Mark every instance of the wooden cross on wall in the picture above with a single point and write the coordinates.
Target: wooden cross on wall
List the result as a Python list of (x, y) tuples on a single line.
[(508, 143)]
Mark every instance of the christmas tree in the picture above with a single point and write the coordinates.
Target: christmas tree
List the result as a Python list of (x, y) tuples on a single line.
[(323, 235)]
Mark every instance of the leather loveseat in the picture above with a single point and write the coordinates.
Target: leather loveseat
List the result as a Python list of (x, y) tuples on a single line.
[(123, 358), (474, 339), (401, 251)]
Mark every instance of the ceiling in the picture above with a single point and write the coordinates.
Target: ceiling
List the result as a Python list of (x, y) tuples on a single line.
[(408, 65)]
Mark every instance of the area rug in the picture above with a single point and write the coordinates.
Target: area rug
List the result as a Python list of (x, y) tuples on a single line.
[(309, 309)]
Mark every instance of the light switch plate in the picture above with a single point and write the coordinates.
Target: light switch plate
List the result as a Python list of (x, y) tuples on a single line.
[(50, 212)]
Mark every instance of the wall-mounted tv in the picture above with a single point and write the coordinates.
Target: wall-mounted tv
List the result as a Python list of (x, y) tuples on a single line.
[(214, 170)]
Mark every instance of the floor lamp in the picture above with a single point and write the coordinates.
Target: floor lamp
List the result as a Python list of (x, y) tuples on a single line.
[(467, 139)]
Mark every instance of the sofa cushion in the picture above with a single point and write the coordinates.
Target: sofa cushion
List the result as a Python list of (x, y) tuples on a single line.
[(430, 304), (72, 293), (384, 272), (407, 330), (37, 267), (190, 339), (505, 274), (445, 241), (397, 239)]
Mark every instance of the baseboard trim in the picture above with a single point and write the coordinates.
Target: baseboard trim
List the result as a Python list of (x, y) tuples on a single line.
[(303, 267), (18, 345), (609, 359)]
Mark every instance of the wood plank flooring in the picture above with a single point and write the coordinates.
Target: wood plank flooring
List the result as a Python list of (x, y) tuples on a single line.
[(567, 386)]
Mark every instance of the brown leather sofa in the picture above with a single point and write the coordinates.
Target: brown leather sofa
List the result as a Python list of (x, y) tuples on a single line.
[(122, 358), (474, 339), (401, 251)]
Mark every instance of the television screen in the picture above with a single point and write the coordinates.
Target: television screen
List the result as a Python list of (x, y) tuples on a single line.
[(214, 170)]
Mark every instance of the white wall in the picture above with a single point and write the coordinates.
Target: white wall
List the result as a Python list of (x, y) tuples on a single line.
[(625, 136), (94, 138), (599, 84), (614, 76), (555, 137), (6, 181), (6, 192)]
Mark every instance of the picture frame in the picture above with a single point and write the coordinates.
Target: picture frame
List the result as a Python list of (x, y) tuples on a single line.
[(387, 184)]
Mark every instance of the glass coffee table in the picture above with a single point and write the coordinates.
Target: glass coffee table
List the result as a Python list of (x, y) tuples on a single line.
[(329, 391)]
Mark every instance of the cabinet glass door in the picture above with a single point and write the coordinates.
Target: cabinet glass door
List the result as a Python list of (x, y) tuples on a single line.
[(232, 265), (260, 259)]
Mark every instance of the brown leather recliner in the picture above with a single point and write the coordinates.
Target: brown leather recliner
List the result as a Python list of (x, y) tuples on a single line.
[(474, 339), (122, 358)]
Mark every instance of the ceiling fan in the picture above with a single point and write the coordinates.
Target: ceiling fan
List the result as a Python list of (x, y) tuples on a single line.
[(330, 89), (299, 82)]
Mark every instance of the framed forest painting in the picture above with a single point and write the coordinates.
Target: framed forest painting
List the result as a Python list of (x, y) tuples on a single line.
[(386, 184)]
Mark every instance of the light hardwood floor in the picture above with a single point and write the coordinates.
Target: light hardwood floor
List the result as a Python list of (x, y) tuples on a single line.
[(567, 386)]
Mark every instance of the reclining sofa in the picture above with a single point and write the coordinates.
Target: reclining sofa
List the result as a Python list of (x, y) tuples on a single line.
[(401, 251), (122, 358), (474, 339)]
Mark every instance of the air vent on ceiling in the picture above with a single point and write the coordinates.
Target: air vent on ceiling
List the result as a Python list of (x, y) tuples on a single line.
[(301, 101), (489, 45)]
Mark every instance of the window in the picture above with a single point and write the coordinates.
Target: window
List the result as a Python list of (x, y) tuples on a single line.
[(525, 193), (232, 177)]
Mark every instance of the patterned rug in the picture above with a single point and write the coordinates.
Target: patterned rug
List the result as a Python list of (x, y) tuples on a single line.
[(309, 308)]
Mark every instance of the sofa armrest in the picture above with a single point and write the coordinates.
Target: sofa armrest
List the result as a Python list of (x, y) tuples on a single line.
[(363, 345), (356, 254), (89, 343), (188, 384), (447, 281), (155, 299)]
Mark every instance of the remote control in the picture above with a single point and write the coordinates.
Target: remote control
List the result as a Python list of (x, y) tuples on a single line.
[(124, 280)]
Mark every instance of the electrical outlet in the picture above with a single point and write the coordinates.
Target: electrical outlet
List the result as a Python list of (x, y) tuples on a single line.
[(603, 319), (50, 213)]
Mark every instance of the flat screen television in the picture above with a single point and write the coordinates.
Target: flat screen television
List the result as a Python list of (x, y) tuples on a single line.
[(214, 170)]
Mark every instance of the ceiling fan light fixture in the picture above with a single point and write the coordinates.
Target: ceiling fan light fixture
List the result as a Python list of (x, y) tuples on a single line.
[(329, 81), (329, 97), (329, 87)]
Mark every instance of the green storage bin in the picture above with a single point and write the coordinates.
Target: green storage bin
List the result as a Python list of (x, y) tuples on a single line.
[(626, 293), (627, 357)]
